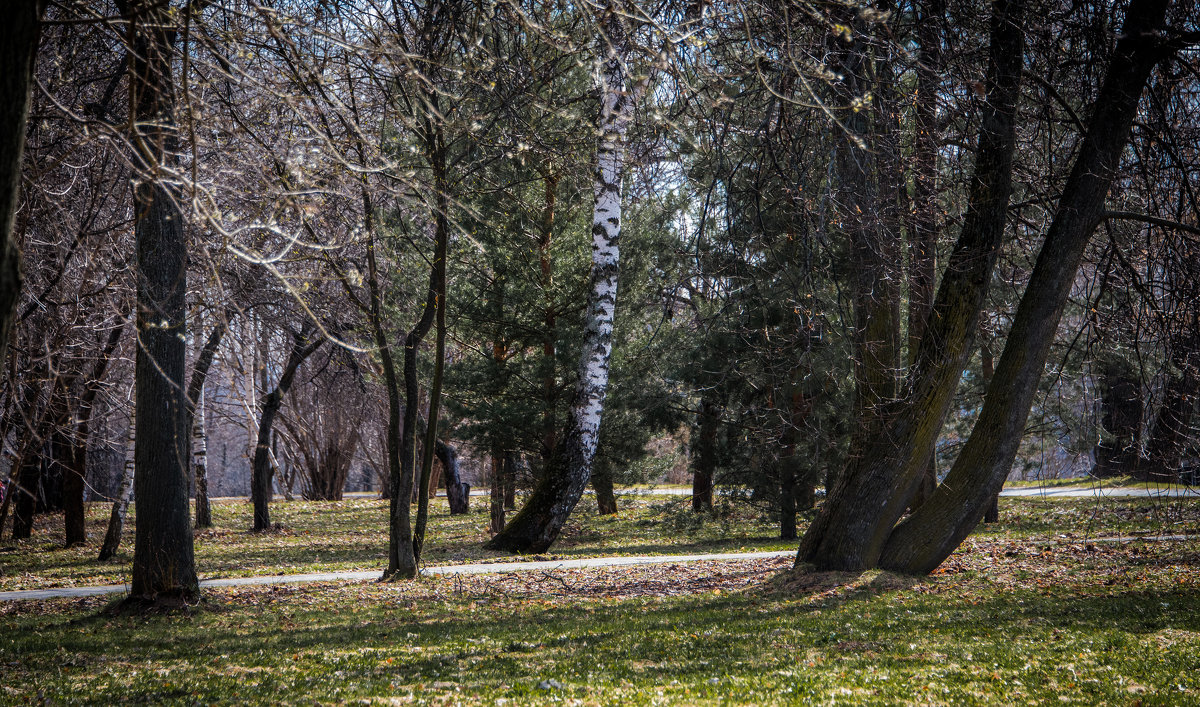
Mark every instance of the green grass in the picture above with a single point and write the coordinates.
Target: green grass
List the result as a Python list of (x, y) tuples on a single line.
[(1092, 482), (352, 535), (999, 624)]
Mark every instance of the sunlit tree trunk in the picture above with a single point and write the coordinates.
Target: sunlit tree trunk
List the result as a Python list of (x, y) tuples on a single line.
[(538, 523)]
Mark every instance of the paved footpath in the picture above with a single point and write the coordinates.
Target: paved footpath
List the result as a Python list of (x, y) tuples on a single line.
[(497, 567), (481, 568)]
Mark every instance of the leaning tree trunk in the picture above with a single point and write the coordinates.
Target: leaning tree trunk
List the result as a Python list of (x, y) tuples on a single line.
[(933, 531), (538, 523), (116, 519), (195, 400), (164, 568), (18, 46), (262, 470), (867, 499), (458, 492)]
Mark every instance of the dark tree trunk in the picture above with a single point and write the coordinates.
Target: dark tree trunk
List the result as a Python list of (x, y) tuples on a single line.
[(704, 466), (164, 568), (867, 499), (19, 33), (436, 151), (1119, 449), (496, 496), (924, 222), (550, 334), (26, 496), (987, 368), (458, 492), (509, 479), (396, 542), (602, 484), (928, 536), (262, 469), (71, 449), (1172, 427), (862, 213), (404, 547)]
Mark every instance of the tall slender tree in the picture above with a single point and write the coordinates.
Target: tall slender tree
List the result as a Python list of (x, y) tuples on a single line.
[(535, 527)]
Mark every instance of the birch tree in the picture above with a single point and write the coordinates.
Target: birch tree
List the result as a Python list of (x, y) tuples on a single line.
[(535, 527)]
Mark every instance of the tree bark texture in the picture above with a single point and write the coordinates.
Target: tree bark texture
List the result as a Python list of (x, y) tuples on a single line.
[(458, 492), (870, 495), (163, 558), (19, 33), (537, 524), (933, 531)]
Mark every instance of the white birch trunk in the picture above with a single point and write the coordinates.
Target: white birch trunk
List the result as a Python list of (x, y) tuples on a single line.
[(200, 465), (116, 520), (536, 527)]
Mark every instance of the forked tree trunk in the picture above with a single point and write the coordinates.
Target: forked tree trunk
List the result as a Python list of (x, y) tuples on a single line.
[(262, 469), (164, 568), (867, 499), (933, 531), (404, 544), (19, 34), (538, 523)]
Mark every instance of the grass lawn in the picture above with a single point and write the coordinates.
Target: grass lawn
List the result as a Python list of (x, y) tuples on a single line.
[(1031, 611)]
